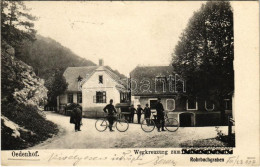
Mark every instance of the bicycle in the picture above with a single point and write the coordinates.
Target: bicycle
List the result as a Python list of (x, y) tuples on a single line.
[(171, 124), (120, 124)]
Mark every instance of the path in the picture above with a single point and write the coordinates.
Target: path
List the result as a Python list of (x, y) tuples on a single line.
[(89, 137)]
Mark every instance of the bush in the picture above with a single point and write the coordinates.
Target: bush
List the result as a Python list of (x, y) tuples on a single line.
[(72, 106), (225, 138), (29, 118)]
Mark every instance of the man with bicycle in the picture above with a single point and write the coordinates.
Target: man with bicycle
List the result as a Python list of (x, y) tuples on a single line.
[(160, 115), (110, 109)]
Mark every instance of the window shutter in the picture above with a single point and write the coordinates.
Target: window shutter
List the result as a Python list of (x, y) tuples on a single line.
[(94, 99)]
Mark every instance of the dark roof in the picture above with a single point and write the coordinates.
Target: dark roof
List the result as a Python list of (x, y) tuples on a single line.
[(71, 75), (144, 76)]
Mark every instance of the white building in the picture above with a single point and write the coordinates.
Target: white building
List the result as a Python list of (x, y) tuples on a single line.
[(92, 87)]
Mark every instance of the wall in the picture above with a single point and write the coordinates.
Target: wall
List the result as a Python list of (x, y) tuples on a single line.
[(63, 98), (144, 100), (199, 117), (89, 88)]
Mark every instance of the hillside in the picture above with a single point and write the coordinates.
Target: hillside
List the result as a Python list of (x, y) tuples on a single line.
[(45, 55), (23, 95)]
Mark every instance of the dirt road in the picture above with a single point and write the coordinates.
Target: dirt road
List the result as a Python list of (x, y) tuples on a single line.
[(134, 137)]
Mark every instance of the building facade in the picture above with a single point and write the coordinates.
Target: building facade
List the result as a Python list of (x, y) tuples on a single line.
[(92, 87), (148, 83)]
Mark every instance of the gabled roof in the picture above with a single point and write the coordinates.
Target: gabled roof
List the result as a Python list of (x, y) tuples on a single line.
[(141, 76), (71, 75)]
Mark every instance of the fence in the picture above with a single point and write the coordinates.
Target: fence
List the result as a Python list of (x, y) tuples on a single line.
[(50, 109)]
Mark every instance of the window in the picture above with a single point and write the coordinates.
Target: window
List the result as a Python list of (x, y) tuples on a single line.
[(192, 104), (209, 106), (100, 79), (100, 97), (228, 104), (70, 97), (153, 103), (124, 97), (170, 104), (79, 97)]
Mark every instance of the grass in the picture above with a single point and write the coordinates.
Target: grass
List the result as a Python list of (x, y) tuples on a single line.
[(29, 118), (212, 142)]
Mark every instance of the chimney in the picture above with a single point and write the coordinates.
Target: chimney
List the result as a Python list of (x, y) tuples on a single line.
[(101, 62)]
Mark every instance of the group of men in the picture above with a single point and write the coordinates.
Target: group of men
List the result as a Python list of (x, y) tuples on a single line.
[(147, 113), (76, 115), (139, 111), (110, 109)]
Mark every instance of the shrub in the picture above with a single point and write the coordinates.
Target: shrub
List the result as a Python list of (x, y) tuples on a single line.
[(29, 118), (230, 140)]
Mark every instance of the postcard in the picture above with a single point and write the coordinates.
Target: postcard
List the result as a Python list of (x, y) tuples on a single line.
[(130, 83)]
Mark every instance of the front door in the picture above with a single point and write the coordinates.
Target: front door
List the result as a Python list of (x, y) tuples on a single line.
[(186, 120)]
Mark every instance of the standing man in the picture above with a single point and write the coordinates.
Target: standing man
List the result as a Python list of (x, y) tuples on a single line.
[(132, 113), (110, 109), (139, 113), (77, 114), (147, 113), (160, 115)]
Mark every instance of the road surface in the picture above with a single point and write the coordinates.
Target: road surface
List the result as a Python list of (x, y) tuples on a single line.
[(134, 137)]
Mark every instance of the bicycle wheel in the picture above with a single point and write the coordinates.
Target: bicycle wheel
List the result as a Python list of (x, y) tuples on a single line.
[(148, 125), (171, 124), (122, 125), (101, 125)]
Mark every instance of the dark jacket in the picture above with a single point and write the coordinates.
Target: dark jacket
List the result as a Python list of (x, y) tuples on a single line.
[(76, 115), (132, 110), (139, 111), (72, 116), (159, 108), (147, 112), (110, 109)]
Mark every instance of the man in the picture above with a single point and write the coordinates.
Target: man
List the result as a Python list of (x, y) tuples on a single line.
[(132, 113), (139, 113), (147, 113), (110, 109), (160, 115), (77, 115)]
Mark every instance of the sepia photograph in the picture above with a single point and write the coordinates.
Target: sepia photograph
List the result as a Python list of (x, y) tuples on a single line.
[(119, 75)]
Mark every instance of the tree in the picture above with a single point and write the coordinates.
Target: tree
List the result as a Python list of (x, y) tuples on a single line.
[(16, 23), (205, 52), (56, 85)]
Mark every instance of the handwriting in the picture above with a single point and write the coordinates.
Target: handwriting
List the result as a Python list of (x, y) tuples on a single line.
[(159, 160), (75, 158), (235, 160), (126, 156)]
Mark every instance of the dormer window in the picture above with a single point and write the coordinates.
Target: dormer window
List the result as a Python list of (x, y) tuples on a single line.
[(100, 79), (79, 78)]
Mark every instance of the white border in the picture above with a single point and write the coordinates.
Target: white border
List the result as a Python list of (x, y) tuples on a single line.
[(207, 108), (167, 105), (187, 106)]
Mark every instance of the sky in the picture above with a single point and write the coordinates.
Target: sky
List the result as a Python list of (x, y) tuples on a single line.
[(123, 34)]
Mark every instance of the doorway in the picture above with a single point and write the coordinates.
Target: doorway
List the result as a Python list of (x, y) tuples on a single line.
[(186, 120)]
